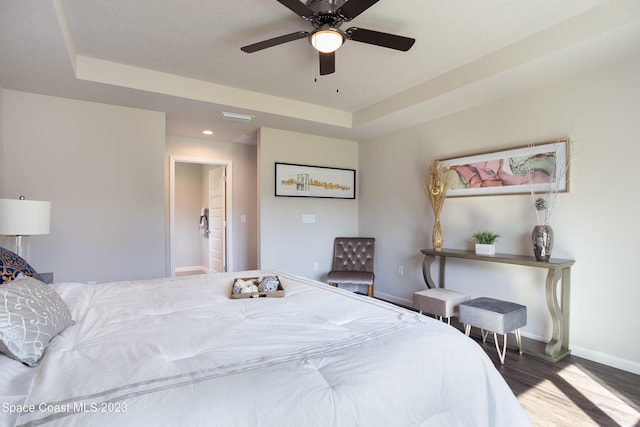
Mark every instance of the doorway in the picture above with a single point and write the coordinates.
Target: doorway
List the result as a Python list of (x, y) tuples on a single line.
[(215, 228)]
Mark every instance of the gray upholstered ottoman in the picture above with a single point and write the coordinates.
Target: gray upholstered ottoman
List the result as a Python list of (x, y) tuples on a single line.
[(497, 316), (439, 302)]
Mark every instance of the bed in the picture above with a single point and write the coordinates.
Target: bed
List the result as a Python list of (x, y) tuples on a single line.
[(180, 351)]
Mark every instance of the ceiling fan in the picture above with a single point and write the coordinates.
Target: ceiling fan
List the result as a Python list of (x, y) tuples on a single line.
[(326, 17)]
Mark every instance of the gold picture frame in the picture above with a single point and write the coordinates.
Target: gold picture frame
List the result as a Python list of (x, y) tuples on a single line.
[(537, 167)]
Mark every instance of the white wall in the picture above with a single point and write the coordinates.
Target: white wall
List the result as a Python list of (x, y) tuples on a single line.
[(1, 148), (244, 202), (285, 242), (595, 223), (101, 166)]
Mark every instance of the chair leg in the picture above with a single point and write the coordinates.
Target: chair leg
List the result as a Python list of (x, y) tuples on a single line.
[(485, 334), (370, 291), (467, 329)]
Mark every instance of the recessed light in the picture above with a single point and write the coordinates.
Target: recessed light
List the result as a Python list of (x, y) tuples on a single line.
[(207, 132)]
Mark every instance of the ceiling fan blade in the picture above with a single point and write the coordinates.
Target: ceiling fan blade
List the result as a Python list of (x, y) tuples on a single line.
[(353, 8), (297, 7), (274, 41), (327, 63), (377, 38)]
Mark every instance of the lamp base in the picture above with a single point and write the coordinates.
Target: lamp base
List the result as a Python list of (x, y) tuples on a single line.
[(18, 245)]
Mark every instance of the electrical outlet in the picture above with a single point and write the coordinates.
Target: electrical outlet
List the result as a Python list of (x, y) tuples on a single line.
[(400, 270), (315, 266)]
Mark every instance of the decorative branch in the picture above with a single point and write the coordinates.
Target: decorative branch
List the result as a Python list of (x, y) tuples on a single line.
[(544, 201)]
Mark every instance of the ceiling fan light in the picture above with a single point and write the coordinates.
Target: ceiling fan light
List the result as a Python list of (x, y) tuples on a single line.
[(327, 40)]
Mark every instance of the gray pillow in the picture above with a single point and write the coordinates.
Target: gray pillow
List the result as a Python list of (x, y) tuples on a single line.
[(31, 315)]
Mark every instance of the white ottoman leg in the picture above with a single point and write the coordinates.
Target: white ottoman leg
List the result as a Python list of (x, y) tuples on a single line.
[(519, 340), (502, 353)]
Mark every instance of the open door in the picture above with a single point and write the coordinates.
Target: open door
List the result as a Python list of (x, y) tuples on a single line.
[(216, 255)]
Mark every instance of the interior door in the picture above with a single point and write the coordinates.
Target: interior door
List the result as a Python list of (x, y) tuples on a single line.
[(217, 219)]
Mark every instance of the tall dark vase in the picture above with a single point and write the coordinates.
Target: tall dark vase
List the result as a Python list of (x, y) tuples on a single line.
[(542, 238)]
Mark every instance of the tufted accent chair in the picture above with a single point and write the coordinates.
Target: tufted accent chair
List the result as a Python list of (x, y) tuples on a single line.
[(353, 262)]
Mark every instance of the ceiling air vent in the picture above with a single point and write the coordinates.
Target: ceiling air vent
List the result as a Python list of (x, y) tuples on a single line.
[(235, 117)]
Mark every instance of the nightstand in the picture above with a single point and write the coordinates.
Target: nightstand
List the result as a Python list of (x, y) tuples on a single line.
[(47, 278)]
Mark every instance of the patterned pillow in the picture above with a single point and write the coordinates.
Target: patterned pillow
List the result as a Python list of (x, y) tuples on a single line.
[(11, 264), (31, 315)]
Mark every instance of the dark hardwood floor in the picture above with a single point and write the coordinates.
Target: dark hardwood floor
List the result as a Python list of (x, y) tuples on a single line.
[(571, 392)]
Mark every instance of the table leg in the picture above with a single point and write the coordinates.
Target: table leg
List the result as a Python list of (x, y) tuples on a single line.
[(565, 303), (426, 271), (441, 273), (558, 337)]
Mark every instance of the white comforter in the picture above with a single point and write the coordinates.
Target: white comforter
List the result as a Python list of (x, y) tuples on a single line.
[(180, 352)]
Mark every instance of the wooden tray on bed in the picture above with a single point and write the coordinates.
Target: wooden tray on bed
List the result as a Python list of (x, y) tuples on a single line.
[(278, 293)]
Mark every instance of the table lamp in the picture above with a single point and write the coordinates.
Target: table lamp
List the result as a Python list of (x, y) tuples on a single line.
[(20, 218)]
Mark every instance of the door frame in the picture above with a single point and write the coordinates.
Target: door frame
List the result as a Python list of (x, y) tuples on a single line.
[(228, 206)]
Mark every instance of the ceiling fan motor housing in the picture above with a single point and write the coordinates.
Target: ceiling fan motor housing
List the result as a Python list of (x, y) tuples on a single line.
[(324, 13), (325, 5)]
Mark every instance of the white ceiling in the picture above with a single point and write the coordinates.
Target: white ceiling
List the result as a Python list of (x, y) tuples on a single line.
[(184, 58)]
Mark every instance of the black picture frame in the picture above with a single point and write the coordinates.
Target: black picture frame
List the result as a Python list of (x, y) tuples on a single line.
[(295, 180)]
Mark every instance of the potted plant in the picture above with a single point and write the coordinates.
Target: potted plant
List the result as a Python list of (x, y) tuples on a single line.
[(485, 242)]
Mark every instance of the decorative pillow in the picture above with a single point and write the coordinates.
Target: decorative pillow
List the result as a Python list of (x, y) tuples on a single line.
[(11, 265), (31, 315)]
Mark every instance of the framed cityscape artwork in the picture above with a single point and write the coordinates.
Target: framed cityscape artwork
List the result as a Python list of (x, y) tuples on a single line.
[(292, 180)]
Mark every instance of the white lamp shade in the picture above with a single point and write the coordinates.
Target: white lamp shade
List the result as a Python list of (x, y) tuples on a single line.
[(327, 40), (24, 217)]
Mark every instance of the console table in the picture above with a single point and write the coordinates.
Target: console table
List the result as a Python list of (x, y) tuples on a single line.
[(559, 270)]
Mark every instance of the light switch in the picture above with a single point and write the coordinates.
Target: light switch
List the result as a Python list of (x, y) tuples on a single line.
[(308, 218)]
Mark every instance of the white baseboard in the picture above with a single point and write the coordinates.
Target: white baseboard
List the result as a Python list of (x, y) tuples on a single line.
[(606, 359), (192, 268)]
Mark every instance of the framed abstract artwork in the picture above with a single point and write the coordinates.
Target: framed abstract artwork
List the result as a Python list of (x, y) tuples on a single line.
[(538, 167), (294, 180)]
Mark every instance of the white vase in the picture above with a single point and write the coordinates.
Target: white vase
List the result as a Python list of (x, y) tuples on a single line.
[(483, 249)]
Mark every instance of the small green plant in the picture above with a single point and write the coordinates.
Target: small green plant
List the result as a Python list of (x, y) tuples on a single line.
[(485, 237)]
